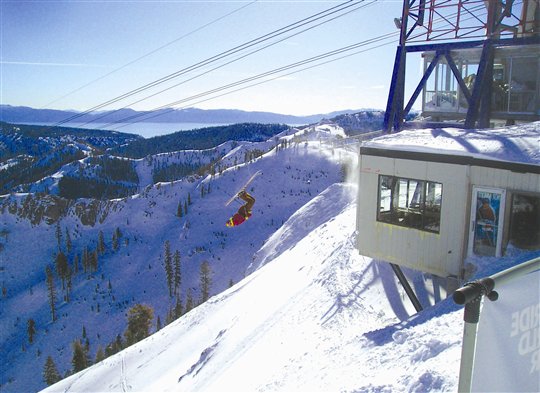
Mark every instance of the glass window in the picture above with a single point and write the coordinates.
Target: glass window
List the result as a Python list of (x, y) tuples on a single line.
[(525, 221), (410, 203)]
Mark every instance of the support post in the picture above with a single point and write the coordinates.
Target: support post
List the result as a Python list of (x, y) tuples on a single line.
[(468, 347), (394, 106), (485, 71), (471, 296), (403, 280), (422, 83), (393, 116)]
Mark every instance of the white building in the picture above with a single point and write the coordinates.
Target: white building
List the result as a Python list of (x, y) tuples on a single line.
[(429, 198)]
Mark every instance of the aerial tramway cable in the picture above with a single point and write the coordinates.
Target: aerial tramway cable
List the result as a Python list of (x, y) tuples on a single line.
[(225, 64), (263, 75), (219, 56), (150, 53), (276, 33), (124, 121)]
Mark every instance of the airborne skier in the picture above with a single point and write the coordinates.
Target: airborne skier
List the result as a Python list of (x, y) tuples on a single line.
[(244, 212)]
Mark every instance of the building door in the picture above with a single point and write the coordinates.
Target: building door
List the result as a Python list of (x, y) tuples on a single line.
[(487, 212)]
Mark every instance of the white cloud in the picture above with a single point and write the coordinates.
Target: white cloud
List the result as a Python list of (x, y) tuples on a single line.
[(32, 63)]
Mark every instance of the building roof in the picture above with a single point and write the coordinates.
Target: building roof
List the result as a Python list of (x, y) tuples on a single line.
[(509, 145)]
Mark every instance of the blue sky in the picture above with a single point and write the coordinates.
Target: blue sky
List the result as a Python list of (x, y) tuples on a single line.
[(78, 54)]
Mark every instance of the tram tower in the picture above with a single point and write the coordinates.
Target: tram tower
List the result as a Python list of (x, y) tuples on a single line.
[(481, 62)]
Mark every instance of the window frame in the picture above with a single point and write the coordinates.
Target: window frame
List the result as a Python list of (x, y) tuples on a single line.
[(514, 225), (401, 212)]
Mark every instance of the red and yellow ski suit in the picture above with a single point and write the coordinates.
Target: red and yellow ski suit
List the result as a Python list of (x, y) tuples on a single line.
[(244, 212)]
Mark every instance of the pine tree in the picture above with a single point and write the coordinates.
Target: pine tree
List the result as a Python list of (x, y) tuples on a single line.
[(158, 324), (100, 355), (117, 235), (31, 329), (114, 347), (75, 264), (177, 272), (189, 300), (58, 233), (101, 244), (94, 261), (114, 242), (139, 321), (50, 372), (85, 259), (68, 242), (61, 263), (178, 308), (170, 317), (69, 282), (79, 360), (169, 267), (51, 291), (205, 281), (179, 210)]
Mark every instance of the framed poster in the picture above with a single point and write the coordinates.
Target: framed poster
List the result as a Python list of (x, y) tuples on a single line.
[(487, 212)]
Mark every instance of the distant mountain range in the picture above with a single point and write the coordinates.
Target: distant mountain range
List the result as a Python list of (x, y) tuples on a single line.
[(22, 114)]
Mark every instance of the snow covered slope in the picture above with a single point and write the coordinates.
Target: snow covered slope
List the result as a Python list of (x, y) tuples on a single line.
[(317, 317), (312, 315), (296, 168)]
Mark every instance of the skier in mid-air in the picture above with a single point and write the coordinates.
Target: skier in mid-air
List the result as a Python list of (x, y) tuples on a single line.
[(244, 212)]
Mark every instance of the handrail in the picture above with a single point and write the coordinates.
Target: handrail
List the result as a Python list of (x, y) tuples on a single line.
[(516, 271), (486, 286)]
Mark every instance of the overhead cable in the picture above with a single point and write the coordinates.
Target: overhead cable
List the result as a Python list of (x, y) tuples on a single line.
[(219, 56), (150, 53), (262, 75), (221, 66)]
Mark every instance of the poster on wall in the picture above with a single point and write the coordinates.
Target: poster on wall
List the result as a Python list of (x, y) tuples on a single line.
[(487, 212)]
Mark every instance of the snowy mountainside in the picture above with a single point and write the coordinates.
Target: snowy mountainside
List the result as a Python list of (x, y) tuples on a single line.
[(318, 317), (30, 153), (313, 315), (132, 270)]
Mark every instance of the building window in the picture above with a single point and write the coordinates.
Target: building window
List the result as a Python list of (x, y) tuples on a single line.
[(525, 221), (410, 203)]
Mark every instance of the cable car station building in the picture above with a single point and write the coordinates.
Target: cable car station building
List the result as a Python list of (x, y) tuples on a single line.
[(429, 198)]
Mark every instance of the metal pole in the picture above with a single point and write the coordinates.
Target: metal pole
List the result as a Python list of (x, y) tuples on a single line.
[(471, 296), (472, 313), (403, 280)]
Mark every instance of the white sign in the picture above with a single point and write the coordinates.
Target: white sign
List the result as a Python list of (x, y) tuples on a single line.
[(507, 357)]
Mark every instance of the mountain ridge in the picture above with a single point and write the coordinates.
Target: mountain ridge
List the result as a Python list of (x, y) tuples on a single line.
[(22, 114)]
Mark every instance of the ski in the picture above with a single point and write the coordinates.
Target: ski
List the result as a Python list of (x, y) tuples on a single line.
[(243, 187)]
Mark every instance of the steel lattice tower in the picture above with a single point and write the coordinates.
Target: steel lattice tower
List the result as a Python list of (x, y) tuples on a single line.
[(446, 26)]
